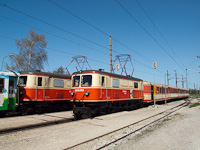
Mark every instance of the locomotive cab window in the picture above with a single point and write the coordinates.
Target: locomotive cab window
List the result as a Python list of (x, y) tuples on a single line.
[(76, 80), (22, 80), (86, 80), (1, 85)]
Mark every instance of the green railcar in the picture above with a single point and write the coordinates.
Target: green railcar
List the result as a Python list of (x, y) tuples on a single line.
[(8, 90)]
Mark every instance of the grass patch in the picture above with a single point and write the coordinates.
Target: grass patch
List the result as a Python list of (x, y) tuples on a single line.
[(166, 119), (194, 96), (194, 105)]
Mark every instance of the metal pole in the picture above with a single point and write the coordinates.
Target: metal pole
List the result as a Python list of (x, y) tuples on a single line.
[(110, 55), (176, 77), (9, 55), (2, 62), (165, 89), (186, 80), (182, 82), (154, 88), (167, 78)]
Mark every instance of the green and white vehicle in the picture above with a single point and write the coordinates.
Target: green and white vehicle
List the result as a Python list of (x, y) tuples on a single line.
[(8, 90)]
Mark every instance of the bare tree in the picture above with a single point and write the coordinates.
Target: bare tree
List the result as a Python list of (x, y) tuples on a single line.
[(32, 54)]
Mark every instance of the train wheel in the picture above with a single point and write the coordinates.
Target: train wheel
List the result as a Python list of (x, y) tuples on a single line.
[(77, 116), (2, 114), (24, 110)]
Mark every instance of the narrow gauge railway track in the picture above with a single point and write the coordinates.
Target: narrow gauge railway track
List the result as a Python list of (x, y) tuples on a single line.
[(105, 140), (37, 125)]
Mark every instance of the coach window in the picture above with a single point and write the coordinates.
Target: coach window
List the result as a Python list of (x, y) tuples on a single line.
[(115, 83), (76, 80), (157, 89), (103, 81), (135, 85), (58, 83), (86, 80), (1, 85), (39, 81)]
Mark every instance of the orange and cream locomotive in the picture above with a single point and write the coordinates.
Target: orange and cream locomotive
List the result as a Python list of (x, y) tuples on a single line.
[(43, 90), (96, 91)]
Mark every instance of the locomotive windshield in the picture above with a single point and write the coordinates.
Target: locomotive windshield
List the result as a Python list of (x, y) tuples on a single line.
[(76, 81), (22, 80), (86, 80)]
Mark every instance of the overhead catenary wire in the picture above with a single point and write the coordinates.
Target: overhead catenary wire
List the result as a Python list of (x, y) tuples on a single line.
[(60, 51), (64, 52), (66, 10), (147, 32), (58, 36), (54, 26), (91, 25), (58, 27), (159, 31)]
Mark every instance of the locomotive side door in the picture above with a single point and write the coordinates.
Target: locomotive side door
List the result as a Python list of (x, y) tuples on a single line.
[(40, 88), (103, 88)]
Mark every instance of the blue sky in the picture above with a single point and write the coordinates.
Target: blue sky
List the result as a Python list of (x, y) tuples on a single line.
[(177, 20)]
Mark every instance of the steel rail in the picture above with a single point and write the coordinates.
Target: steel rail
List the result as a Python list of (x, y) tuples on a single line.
[(139, 128), (34, 126), (183, 104)]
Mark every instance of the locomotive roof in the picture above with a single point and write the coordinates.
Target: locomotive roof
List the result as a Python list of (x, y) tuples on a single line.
[(110, 74), (46, 74)]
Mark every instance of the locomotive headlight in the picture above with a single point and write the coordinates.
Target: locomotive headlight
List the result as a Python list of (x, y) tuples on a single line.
[(87, 93), (72, 93)]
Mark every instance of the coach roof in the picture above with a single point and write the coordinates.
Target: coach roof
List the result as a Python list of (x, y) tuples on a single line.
[(56, 75), (110, 74)]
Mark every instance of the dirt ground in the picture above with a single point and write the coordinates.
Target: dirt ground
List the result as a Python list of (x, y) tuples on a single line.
[(177, 132)]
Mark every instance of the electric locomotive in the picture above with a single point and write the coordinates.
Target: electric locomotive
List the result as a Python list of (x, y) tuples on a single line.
[(96, 91), (41, 91)]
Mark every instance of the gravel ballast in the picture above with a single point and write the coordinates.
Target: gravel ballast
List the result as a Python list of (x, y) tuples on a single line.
[(64, 135), (180, 131)]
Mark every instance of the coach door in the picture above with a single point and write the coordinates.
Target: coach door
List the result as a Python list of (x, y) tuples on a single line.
[(103, 88), (40, 90)]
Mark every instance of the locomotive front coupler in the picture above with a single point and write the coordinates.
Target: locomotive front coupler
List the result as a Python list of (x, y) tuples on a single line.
[(85, 112)]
